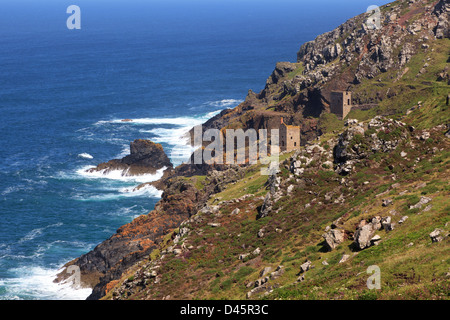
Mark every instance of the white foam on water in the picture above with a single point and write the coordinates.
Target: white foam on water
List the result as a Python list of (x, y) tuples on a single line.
[(146, 190), (174, 121), (123, 185), (36, 283), (85, 156), (9, 190), (119, 175), (125, 152), (226, 103), (19, 187), (32, 235), (169, 136), (125, 192), (176, 136), (134, 211), (185, 121), (24, 185), (37, 232)]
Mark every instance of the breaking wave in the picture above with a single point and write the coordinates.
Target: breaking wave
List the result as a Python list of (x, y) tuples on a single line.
[(35, 281), (119, 175)]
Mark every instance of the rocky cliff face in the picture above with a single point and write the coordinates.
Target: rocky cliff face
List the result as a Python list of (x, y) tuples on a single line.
[(405, 27), (343, 59)]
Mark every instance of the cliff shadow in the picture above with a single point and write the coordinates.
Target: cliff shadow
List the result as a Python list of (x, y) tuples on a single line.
[(314, 104)]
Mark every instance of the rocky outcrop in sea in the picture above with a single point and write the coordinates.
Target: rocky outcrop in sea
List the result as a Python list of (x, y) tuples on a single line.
[(146, 157)]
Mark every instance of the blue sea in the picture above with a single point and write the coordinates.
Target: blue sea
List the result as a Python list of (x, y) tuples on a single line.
[(168, 65)]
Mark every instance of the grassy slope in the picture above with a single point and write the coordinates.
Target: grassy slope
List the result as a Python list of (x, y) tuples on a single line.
[(411, 88)]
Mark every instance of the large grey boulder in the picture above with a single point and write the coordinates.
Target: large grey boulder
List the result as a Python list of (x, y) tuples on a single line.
[(333, 238), (363, 236), (365, 232)]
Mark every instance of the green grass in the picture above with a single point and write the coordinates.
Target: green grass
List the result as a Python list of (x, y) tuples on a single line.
[(410, 89), (329, 122), (298, 71)]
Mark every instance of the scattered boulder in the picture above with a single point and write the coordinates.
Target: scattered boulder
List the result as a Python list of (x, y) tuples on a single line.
[(387, 224), (261, 281), (333, 238), (265, 271), (353, 144), (305, 266), (403, 219), (214, 224), (277, 273), (208, 210), (261, 233), (436, 235), (235, 211), (422, 201), (344, 258), (242, 256), (259, 289), (424, 136), (274, 194), (365, 232), (290, 188), (376, 222), (375, 240)]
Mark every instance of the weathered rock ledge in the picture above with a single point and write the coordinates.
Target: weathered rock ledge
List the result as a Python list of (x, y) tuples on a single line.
[(146, 157)]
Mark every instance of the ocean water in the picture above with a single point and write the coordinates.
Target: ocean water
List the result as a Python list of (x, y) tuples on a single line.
[(168, 65)]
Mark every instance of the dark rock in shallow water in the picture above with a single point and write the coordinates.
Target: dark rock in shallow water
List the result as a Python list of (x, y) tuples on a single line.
[(146, 157)]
